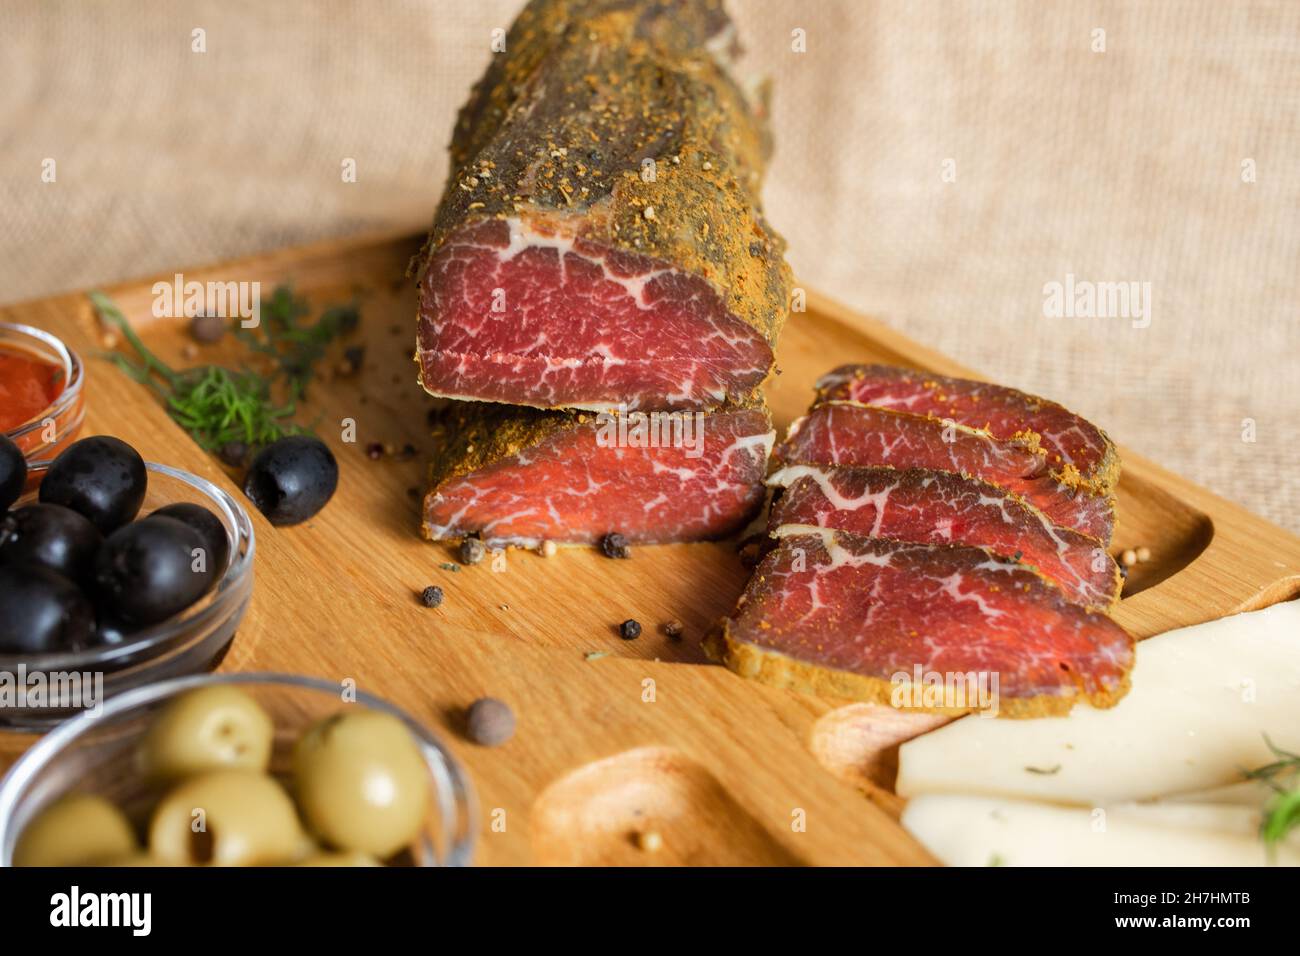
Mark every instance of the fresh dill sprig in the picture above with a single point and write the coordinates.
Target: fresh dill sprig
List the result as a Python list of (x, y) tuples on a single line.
[(296, 346), (215, 405), (1282, 813)]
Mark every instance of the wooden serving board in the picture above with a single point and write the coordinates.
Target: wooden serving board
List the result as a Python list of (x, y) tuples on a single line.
[(614, 737)]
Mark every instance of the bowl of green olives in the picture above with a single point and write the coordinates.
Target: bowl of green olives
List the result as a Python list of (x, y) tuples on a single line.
[(114, 572), (238, 770)]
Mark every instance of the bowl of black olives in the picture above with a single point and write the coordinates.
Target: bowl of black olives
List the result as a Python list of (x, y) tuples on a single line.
[(287, 770), (114, 572)]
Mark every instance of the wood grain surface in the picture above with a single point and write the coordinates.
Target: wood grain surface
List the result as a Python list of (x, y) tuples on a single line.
[(615, 738)]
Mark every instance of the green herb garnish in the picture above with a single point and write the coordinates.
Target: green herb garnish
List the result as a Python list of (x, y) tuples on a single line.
[(218, 406), (1282, 813), (294, 345)]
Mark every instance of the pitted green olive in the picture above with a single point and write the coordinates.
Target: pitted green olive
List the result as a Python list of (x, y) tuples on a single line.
[(227, 818), (361, 782), (210, 728), (76, 830)]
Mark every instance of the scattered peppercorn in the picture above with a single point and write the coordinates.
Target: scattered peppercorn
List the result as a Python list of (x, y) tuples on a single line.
[(1144, 553), (374, 451), (472, 551), (749, 554), (548, 549), (673, 629), (207, 328), (189, 351), (431, 596), (629, 630), (490, 722), (614, 545), (353, 356), (234, 454), (1129, 558)]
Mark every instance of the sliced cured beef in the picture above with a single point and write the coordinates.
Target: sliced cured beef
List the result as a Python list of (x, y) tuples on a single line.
[(836, 613), (1078, 452), (938, 507), (520, 476), (850, 433), (600, 242)]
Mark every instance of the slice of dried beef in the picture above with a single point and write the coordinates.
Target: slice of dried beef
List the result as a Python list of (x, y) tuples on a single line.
[(939, 507), (600, 241), (1079, 453), (521, 476), (845, 615), (850, 433)]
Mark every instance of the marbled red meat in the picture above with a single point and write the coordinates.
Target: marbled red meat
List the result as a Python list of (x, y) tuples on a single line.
[(520, 476), (840, 614), (1078, 452), (581, 325), (600, 241), (939, 507), (850, 433)]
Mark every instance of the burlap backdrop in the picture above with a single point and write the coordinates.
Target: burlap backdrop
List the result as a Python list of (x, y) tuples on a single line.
[(1122, 165)]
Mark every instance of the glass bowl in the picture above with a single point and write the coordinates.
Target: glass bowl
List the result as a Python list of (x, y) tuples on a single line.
[(67, 411), (193, 641), (97, 756)]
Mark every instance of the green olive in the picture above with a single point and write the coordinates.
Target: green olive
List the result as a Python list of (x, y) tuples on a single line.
[(210, 728), (324, 858), (227, 818), (361, 782), (75, 830)]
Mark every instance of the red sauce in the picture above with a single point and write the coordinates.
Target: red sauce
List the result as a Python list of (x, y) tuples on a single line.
[(28, 386)]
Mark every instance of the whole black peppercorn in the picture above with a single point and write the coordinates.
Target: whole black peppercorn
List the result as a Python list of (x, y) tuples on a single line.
[(614, 545), (629, 630), (234, 454), (431, 596)]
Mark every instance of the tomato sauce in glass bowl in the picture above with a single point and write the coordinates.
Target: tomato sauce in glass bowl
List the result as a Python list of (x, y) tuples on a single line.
[(28, 385), (42, 403)]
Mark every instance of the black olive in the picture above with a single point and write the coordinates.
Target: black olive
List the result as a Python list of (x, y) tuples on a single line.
[(209, 527), (13, 472), (50, 536), (42, 612), (102, 477), (147, 571), (111, 632), (292, 479)]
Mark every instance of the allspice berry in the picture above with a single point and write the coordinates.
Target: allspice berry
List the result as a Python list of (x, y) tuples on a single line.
[(490, 722)]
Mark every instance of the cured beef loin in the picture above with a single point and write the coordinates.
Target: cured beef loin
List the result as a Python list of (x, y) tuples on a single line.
[(600, 242), (840, 614), (521, 476), (1078, 452), (938, 507), (850, 433)]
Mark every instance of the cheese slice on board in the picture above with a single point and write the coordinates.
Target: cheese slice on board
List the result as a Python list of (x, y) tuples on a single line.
[(1202, 699), (992, 831)]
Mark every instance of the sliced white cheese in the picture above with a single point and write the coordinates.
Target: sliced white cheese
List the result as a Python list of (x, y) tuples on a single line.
[(1202, 699), (990, 831)]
